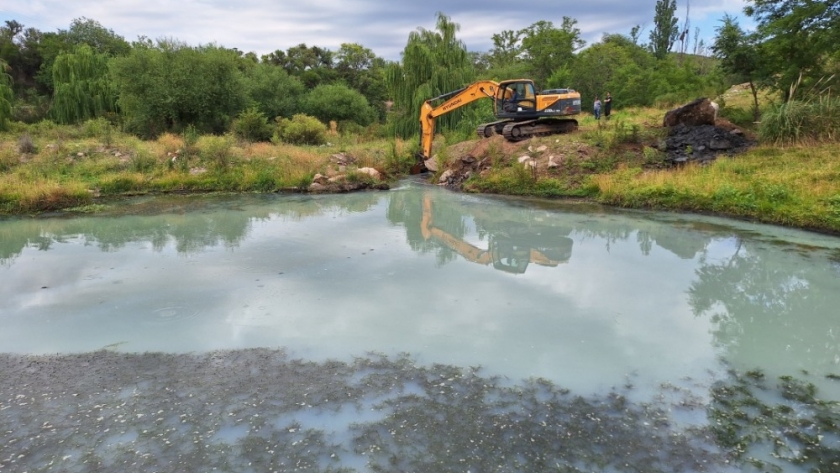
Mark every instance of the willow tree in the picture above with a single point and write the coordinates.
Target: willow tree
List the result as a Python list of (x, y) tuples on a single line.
[(6, 96), (433, 63), (82, 88)]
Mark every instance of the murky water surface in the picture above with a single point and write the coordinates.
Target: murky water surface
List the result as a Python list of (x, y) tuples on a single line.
[(415, 330)]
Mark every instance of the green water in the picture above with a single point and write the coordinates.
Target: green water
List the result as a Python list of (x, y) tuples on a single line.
[(513, 335)]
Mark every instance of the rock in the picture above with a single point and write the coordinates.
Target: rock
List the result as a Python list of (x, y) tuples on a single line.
[(696, 113), (80, 154), (541, 149), (370, 172), (334, 179), (431, 164), (197, 171), (468, 159), (524, 159), (444, 178), (551, 163), (736, 131), (720, 144), (315, 187), (342, 159)]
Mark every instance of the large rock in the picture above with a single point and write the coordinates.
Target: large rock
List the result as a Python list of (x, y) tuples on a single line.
[(699, 112)]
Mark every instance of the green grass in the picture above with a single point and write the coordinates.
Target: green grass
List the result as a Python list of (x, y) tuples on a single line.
[(794, 186), (58, 167)]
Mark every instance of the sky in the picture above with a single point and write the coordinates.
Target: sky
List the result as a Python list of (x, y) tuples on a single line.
[(263, 26)]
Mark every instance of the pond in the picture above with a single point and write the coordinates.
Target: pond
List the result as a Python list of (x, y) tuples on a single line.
[(414, 330)]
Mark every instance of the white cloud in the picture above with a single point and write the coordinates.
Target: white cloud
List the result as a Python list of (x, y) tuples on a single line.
[(263, 26)]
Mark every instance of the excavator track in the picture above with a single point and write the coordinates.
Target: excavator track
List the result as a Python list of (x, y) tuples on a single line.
[(522, 130), (486, 130)]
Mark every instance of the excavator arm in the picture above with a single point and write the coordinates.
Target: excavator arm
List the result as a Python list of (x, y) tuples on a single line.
[(453, 101)]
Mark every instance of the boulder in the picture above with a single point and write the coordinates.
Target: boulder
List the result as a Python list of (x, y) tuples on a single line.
[(370, 172), (320, 179), (699, 112), (431, 164)]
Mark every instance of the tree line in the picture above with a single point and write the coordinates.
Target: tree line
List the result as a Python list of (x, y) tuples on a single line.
[(149, 87)]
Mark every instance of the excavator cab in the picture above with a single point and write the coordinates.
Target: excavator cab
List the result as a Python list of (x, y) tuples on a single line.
[(508, 256), (516, 99)]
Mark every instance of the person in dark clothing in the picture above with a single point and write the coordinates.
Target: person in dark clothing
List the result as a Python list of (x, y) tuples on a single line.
[(607, 106)]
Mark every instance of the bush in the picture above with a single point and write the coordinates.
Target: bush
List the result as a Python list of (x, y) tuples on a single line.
[(798, 121), (26, 145), (99, 128), (300, 130), (252, 125), (338, 102), (215, 150)]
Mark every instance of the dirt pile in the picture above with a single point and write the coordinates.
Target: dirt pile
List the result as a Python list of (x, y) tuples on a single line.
[(541, 156), (702, 143)]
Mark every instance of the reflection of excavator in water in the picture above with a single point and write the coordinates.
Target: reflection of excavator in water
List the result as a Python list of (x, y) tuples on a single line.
[(507, 251), (521, 112)]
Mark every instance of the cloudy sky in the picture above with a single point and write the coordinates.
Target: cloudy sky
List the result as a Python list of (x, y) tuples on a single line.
[(383, 26)]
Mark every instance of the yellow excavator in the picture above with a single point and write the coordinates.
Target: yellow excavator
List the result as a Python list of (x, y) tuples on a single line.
[(506, 252), (521, 112)]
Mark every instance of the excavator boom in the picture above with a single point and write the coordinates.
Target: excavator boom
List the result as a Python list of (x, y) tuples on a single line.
[(453, 100)]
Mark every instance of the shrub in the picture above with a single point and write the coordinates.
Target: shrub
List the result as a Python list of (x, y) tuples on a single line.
[(301, 130), (215, 150), (99, 128), (796, 121), (26, 145), (191, 137), (338, 102), (252, 125)]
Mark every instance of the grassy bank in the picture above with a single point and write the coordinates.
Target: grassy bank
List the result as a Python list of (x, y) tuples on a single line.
[(617, 163), (793, 186), (48, 167)]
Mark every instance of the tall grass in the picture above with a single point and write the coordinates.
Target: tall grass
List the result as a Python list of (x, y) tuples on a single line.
[(69, 165), (797, 186), (802, 121)]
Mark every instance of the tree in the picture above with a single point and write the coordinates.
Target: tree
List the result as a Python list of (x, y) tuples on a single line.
[(312, 65), (798, 37), (82, 31), (82, 88), (6, 96), (363, 71), (171, 85), (739, 55), (547, 48), (273, 91), (665, 30), (338, 102), (433, 63)]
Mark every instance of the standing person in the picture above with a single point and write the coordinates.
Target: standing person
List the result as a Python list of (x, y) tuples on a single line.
[(607, 106), (597, 108)]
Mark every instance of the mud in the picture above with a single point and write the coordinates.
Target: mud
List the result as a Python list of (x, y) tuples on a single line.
[(703, 143), (261, 410)]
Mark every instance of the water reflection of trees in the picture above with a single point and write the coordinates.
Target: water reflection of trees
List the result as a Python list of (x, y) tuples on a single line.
[(260, 410), (770, 299), (193, 223)]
